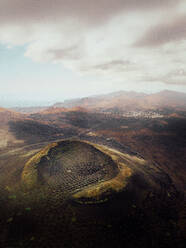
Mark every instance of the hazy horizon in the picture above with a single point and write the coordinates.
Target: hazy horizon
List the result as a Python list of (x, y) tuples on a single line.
[(29, 103)]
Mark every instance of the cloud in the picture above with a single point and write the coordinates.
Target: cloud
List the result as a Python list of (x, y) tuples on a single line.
[(113, 64), (97, 37), (175, 77), (168, 31), (86, 10)]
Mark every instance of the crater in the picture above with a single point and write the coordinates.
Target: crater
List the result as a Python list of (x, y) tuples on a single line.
[(89, 173), (69, 166)]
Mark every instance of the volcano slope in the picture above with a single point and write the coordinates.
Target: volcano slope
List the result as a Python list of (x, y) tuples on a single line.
[(68, 166), (75, 193)]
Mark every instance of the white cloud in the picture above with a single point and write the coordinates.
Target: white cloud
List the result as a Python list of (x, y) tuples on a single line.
[(89, 40)]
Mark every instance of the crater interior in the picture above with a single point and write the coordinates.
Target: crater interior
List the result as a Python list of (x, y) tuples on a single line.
[(72, 165)]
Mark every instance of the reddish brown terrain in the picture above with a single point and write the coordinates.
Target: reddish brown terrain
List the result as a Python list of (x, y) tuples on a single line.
[(148, 127)]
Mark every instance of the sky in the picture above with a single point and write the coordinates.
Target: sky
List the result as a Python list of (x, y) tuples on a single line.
[(63, 49)]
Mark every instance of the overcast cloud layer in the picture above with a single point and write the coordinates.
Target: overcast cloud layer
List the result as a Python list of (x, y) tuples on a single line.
[(120, 40)]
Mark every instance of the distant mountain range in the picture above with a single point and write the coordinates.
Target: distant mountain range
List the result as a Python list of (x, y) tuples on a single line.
[(128, 101), (117, 101)]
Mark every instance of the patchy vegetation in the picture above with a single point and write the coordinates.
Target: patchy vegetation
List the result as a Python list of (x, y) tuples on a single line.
[(135, 198), (30, 174)]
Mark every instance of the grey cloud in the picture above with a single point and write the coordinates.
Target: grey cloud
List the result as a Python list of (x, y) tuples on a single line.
[(180, 72), (67, 53), (113, 64), (164, 33), (177, 77), (86, 10), (181, 81)]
